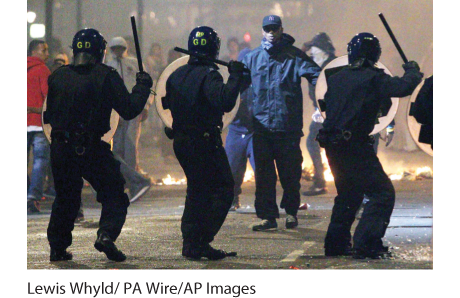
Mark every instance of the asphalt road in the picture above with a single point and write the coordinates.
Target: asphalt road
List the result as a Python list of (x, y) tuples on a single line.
[(151, 237)]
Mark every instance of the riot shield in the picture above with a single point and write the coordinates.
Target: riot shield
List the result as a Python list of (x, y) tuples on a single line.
[(160, 90), (414, 126), (321, 88), (114, 118)]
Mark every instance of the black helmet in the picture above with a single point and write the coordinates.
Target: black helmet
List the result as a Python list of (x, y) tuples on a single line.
[(365, 47), (204, 40), (89, 41)]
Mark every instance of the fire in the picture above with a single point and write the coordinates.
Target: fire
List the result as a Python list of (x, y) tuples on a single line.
[(172, 181), (248, 176), (413, 174), (402, 174)]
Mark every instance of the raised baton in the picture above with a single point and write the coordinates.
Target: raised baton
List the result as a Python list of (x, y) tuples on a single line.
[(393, 38), (136, 43)]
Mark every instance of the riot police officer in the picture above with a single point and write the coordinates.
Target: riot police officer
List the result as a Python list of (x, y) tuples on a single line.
[(80, 100), (352, 102), (198, 98)]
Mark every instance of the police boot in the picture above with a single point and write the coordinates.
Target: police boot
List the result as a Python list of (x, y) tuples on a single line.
[(207, 251), (105, 244), (382, 253), (60, 255)]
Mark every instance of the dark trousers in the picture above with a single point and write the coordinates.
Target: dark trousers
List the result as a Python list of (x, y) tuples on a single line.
[(99, 167), (209, 185), (286, 156), (357, 171), (315, 153), (238, 147)]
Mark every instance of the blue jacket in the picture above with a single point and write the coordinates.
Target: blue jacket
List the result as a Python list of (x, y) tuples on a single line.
[(275, 76)]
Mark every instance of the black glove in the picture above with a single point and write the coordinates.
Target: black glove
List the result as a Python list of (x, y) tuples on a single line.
[(169, 132), (236, 67), (144, 78), (411, 65)]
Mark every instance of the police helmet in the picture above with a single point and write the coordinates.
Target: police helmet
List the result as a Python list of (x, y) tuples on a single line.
[(364, 46), (204, 40), (89, 41)]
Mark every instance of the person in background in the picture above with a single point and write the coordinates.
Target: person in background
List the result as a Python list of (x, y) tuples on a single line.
[(233, 49), (126, 138), (37, 90), (238, 144), (322, 51)]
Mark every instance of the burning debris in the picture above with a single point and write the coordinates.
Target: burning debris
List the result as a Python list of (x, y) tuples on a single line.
[(414, 174), (170, 181)]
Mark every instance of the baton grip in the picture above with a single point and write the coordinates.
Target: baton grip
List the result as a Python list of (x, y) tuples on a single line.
[(136, 43), (393, 38), (180, 50)]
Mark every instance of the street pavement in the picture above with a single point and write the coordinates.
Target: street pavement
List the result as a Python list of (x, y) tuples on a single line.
[(151, 236)]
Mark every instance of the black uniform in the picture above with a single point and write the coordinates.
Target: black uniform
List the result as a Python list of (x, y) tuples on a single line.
[(422, 110), (353, 100), (198, 98), (79, 104)]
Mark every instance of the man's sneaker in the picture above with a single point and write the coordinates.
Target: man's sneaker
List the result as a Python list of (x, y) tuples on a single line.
[(60, 255), (235, 204), (315, 191), (105, 244), (49, 193), (138, 191), (33, 206), (265, 224), (303, 206), (383, 253), (291, 222)]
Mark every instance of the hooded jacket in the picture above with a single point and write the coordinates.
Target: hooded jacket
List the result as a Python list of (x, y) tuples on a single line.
[(276, 83), (37, 88)]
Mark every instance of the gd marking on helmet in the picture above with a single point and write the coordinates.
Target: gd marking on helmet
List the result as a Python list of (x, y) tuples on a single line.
[(80, 45), (197, 42)]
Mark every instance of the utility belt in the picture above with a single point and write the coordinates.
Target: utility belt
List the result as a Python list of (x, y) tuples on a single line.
[(81, 141), (340, 137), (209, 134)]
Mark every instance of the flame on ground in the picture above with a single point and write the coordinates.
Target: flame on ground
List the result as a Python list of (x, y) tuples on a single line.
[(171, 181), (402, 174)]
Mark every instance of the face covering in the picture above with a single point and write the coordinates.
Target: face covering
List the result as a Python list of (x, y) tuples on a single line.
[(318, 55)]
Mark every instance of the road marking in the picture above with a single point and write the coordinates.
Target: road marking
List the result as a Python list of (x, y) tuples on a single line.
[(297, 253)]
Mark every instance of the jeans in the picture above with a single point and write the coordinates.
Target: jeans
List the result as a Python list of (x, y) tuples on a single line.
[(126, 141), (238, 147), (41, 152), (315, 153), (287, 155)]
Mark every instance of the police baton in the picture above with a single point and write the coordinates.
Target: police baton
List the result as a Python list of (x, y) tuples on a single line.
[(393, 38), (201, 56), (136, 43)]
